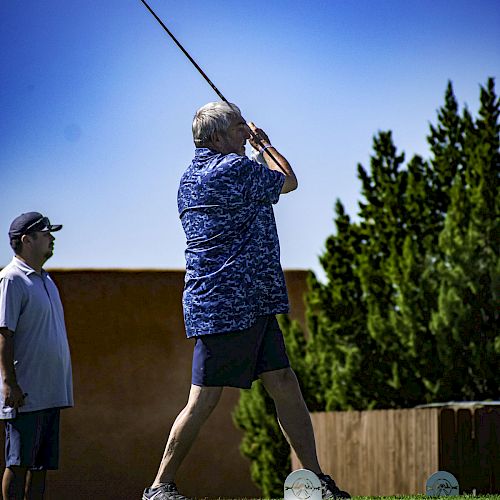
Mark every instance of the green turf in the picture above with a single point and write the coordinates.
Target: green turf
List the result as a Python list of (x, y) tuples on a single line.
[(397, 497), (421, 497)]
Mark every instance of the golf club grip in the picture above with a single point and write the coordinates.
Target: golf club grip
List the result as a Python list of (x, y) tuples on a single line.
[(261, 143)]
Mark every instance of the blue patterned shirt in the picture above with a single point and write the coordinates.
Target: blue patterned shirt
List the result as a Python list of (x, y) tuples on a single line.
[(233, 271)]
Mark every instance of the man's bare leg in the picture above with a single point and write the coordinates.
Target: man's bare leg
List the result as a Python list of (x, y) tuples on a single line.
[(201, 403), (293, 415), (13, 483), (35, 485)]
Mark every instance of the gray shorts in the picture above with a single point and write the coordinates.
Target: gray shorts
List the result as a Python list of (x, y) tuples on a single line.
[(32, 440)]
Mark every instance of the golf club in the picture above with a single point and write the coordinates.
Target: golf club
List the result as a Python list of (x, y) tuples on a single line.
[(185, 52)]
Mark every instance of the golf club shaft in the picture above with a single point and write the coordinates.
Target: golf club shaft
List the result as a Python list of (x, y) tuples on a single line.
[(216, 90), (202, 73)]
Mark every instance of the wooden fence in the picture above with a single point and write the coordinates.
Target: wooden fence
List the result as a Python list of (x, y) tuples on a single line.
[(393, 452)]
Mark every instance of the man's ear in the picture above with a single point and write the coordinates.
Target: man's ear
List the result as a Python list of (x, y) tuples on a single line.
[(27, 239)]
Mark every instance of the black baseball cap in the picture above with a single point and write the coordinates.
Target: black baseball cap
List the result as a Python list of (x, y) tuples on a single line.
[(31, 222)]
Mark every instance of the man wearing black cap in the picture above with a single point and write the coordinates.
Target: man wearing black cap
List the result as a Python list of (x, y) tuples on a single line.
[(35, 363)]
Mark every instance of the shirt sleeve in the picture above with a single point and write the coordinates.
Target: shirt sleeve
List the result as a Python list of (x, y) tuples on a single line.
[(259, 183), (10, 304)]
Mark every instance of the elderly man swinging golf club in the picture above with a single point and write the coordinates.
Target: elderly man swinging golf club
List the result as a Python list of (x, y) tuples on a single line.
[(234, 287)]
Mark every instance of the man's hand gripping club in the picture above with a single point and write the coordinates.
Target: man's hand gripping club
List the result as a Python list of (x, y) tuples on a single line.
[(275, 161)]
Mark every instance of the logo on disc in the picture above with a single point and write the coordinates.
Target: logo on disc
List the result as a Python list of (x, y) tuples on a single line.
[(302, 484), (441, 484)]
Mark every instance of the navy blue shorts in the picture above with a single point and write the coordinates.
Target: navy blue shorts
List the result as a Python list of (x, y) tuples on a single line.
[(32, 440), (236, 359)]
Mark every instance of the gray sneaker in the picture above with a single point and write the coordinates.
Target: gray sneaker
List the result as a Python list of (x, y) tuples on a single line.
[(166, 491), (329, 490)]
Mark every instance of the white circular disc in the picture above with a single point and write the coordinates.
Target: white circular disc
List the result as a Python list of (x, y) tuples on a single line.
[(441, 484), (302, 484)]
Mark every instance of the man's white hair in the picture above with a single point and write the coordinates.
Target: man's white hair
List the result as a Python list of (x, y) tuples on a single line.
[(211, 118)]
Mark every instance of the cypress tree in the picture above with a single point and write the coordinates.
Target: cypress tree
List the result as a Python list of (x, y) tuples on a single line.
[(412, 272), (465, 323), (340, 370), (384, 229)]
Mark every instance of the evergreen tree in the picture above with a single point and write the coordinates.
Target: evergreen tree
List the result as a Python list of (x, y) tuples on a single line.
[(412, 272), (446, 141), (413, 297), (465, 323), (383, 222)]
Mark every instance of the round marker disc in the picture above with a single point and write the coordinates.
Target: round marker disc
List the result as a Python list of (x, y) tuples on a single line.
[(302, 484), (441, 484)]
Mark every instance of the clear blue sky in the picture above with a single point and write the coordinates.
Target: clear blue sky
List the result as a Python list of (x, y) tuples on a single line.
[(96, 104)]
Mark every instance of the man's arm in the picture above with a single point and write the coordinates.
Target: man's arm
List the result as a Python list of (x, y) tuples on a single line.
[(258, 140), (13, 394)]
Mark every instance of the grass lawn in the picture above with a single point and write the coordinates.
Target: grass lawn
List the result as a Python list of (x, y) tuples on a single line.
[(421, 497), (399, 497), (402, 497)]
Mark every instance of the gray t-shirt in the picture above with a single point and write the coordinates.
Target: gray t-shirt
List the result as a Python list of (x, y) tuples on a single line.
[(30, 307)]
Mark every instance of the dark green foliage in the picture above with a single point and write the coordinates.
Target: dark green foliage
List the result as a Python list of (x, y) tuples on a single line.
[(338, 311), (466, 322), (409, 312)]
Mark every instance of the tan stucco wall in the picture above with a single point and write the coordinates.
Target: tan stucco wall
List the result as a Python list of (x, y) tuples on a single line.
[(132, 369)]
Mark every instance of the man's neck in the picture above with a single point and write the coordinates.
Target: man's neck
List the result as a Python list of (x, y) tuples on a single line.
[(36, 266), (211, 146)]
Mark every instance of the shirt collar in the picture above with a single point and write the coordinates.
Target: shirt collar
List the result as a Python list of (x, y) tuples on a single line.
[(24, 267), (207, 154), (200, 153)]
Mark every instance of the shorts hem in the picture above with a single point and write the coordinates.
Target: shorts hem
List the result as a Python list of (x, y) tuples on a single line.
[(32, 467), (229, 384), (273, 369)]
